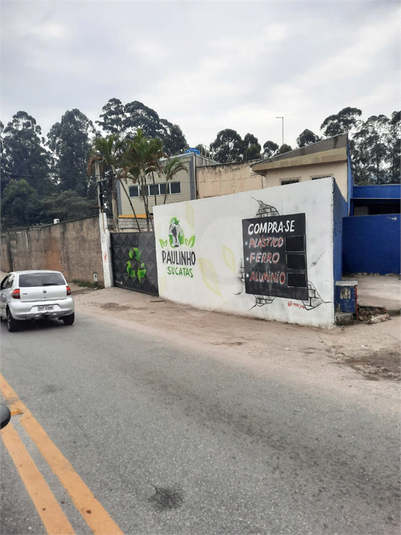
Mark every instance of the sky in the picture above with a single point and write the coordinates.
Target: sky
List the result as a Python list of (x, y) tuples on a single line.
[(251, 66)]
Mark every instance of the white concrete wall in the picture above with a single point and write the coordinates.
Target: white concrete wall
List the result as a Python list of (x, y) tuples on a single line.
[(211, 241)]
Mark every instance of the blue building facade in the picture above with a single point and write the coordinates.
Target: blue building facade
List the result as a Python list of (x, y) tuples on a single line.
[(371, 235), (374, 200)]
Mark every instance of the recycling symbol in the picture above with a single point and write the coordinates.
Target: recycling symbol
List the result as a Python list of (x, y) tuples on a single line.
[(135, 268)]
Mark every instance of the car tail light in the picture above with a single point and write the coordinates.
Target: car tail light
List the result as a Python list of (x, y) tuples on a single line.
[(16, 293), (68, 290)]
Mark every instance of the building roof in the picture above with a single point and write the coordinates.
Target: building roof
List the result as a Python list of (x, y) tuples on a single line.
[(329, 150)]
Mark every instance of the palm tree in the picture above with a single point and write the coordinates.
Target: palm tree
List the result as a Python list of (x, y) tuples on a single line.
[(141, 160), (109, 153), (169, 170)]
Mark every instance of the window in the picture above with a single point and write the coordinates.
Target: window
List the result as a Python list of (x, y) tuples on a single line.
[(156, 189), (175, 187), (32, 280), (7, 282), (317, 177), (153, 189), (289, 181), (134, 191)]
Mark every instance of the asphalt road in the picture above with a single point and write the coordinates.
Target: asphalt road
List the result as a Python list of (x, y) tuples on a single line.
[(173, 440)]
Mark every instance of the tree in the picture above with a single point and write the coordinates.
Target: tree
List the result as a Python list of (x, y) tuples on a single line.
[(1, 137), (203, 150), (65, 206), (270, 149), (125, 120), (174, 141), (137, 159), (307, 137), (169, 169), (20, 205), (70, 141), (3, 181), (139, 116), (374, 147), (24, 154), (374, 144), (141, 160), (112, 118), (108, 153), (345, 121), (394, 145), (251, 148), (285, 148), (227, 147)]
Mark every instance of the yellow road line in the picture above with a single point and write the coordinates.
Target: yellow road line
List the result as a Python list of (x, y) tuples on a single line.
[(49, 510), (91, 509)]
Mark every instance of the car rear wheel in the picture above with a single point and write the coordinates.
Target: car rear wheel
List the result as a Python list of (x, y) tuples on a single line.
[(12, 324), (69, 320)]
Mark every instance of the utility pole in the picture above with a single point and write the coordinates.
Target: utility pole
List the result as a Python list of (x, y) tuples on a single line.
[(282, 129), (98, 187), (105, 240)]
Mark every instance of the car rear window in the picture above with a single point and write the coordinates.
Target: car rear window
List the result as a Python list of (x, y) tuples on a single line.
[(30, 280)]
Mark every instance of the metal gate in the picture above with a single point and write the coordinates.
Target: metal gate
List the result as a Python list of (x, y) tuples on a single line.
[(134, 261)]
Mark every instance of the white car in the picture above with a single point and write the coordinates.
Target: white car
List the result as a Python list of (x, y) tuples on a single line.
[(33, 295)]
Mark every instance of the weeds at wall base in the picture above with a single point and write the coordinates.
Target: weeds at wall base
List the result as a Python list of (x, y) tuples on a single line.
[(86, 284)]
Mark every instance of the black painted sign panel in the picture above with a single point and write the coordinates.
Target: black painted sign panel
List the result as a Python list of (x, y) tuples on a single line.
[(275, 256)]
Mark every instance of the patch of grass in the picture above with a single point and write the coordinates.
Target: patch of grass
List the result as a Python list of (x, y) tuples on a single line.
[(86, 284)]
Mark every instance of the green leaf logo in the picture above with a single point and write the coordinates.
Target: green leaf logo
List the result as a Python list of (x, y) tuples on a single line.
[(135, 253), (229, 258), (130, 270), (141, 272), (136, 268), (209, 276)]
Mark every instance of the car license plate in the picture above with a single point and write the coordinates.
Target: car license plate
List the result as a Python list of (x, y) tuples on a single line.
[(45, 307)]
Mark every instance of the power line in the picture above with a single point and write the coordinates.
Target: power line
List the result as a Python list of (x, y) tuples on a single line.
[(18, 175)]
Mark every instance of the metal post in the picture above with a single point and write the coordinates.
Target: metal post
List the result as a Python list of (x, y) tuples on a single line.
[(105, 241), (282, 129), (97, 175)]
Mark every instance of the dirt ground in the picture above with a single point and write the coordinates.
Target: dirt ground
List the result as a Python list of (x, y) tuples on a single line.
[(372, 349)]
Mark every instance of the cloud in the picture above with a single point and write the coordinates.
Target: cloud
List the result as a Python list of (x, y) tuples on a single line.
[(203, 65), (150, 53), (368, 45), (252, 47)]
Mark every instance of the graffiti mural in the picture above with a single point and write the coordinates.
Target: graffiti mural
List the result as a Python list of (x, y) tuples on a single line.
[(275, 259), (275, 256)]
